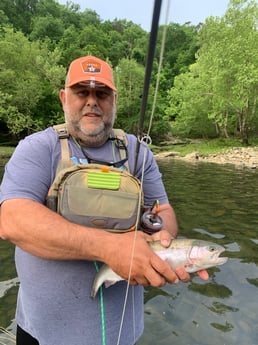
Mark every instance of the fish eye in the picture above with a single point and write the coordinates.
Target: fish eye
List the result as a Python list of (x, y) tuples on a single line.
[(212, 249)]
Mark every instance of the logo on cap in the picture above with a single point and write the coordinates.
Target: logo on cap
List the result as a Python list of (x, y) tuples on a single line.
[(91, 66)]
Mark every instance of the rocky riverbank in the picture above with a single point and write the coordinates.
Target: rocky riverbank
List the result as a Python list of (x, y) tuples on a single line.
[(241, 157)]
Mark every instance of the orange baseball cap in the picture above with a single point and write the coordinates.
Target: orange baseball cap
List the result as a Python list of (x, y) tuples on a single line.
[(90, 69)]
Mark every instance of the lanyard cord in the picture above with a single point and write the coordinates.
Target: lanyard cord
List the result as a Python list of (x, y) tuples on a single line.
[(87, 157), (102, 309)]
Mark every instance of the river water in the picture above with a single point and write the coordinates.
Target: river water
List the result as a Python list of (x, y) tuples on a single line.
[(215, 203)]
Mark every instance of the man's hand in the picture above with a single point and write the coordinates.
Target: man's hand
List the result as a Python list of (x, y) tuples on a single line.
[(147, 267), (165, 239)]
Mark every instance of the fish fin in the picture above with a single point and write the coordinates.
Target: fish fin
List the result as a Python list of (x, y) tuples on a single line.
[(94, 291), (96, 287), (109, 283), (105, 275)]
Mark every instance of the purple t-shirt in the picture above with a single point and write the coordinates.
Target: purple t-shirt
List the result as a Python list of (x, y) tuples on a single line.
[(54, 303)]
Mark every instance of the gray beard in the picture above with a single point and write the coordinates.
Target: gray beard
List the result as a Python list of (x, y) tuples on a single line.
[(90, 139), (95, 139), (87, 138)]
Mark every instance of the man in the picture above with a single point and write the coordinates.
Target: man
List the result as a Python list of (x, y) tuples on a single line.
[(55, 257)]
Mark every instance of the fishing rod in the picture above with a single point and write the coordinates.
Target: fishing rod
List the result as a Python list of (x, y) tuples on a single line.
[(146, 86), (150, 57)]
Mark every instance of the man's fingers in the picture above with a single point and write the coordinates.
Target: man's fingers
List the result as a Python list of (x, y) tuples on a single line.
[(152, 278), (203, 274), (182, 274), (164, 237), (164, 270)]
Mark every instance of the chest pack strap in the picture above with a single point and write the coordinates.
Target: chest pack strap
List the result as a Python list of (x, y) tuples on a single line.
[(63, 135)]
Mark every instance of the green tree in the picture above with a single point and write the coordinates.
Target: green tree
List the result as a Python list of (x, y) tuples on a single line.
[(19, 12), (47, 27), (181, 47), (70, 45), (189, 105), (4, 21), (225, 74), (229, 55), (89, 17), (125, 40), (49, 35), (129, 79), (129, 76), (26, 80)]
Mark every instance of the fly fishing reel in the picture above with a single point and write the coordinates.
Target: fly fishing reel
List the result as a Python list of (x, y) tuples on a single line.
[(151, 222)]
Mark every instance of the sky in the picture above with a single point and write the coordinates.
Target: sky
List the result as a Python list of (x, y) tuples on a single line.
[(141, 11)]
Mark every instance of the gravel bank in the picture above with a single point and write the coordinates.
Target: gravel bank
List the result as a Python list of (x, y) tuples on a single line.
[(240, 157)]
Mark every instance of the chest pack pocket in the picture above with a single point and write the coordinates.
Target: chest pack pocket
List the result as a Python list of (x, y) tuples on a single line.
[(95, 195)]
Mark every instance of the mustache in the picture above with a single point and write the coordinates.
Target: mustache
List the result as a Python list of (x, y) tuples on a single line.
[(89, 110)]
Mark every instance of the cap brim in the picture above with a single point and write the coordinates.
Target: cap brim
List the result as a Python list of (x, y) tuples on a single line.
[(99, 79)]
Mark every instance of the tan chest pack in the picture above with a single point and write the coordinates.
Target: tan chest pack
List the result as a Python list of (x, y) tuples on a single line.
[(95, 195)]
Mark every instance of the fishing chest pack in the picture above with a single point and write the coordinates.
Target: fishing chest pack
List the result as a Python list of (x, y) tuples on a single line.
[(95, 195)]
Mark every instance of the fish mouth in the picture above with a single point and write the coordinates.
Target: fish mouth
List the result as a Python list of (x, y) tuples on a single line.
[(220, 260)]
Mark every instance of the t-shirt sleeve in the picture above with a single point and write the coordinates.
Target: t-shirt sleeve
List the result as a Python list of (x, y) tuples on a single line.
[(153, 187), (28, 174)]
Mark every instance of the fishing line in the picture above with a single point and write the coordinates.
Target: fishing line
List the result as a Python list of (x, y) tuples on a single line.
[(150, 57), (146, 140), (131, 262), (126, 292)]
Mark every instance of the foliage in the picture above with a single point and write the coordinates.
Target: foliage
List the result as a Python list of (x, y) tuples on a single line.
[(48, 36), (221, 87), (27, 79), (129, 76), (188, 103), (46, 27), (19, 13), (208, 83)]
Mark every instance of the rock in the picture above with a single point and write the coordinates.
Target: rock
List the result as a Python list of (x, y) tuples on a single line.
[(192, 156), (239, 156), (166, 154)]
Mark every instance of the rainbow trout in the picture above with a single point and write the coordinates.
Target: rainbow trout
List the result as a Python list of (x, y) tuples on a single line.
[(193, 255)]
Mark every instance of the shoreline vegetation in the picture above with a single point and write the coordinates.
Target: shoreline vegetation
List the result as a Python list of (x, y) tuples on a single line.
[(220, 151)]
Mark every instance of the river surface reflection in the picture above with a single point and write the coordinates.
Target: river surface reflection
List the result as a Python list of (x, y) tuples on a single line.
[(217, 203), (212, 202)]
